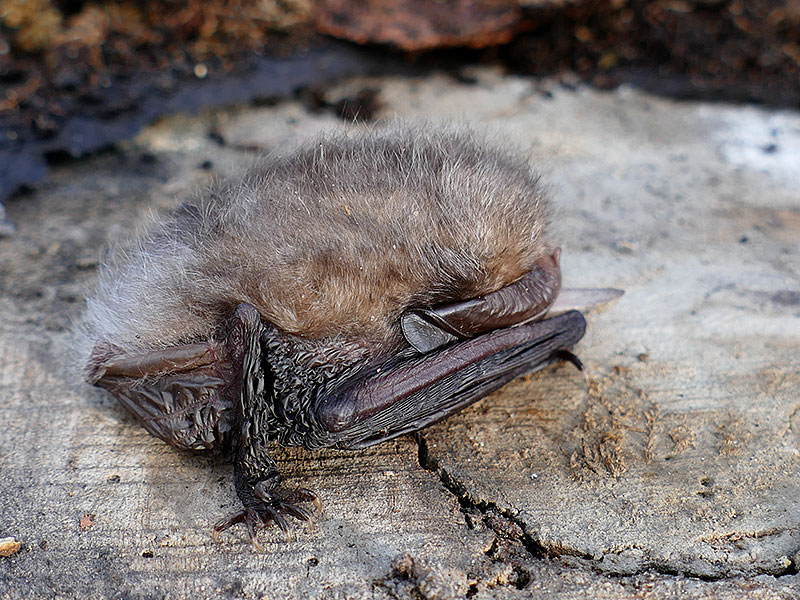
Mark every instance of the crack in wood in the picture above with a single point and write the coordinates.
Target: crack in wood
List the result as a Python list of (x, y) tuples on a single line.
[(507, 526)]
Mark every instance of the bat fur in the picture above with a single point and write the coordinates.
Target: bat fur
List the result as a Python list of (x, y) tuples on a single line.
[(333, 240)]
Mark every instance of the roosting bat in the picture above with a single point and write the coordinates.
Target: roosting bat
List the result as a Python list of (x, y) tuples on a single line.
[(354, 290)]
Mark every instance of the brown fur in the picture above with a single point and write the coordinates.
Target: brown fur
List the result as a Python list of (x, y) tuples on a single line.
[(337, 238)]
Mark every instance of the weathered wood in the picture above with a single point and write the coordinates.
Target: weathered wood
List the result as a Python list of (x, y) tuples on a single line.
[(673, 457)]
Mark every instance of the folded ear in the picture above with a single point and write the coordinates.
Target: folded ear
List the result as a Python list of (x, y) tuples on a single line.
[(526, 299)]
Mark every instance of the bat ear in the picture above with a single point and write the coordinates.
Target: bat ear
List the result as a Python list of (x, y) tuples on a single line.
[(524, 300), (422, 334)]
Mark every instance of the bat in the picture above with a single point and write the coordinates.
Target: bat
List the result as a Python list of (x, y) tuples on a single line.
[(352, 290)]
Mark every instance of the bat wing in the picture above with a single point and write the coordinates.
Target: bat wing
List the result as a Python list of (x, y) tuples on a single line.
[(419, 390), (528, 298), (178, 394)]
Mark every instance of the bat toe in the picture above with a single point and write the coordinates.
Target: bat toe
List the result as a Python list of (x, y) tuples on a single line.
[(269, 509)]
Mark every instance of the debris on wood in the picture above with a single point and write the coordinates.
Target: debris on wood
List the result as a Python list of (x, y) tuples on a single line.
[(9, 546)]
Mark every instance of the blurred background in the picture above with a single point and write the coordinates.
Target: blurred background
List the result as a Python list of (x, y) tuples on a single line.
[(77, 76)]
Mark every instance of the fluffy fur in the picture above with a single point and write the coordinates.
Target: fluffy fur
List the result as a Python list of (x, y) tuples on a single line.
[(335, 239)]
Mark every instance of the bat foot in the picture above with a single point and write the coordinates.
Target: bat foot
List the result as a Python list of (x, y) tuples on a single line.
[(265, 509)]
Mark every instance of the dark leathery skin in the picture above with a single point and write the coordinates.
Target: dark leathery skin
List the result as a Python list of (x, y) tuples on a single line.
[(521, 301)]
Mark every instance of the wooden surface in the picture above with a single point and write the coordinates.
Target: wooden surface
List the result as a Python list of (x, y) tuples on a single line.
[(668, 469)]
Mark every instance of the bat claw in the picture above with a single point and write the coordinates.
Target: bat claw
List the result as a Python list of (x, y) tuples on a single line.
[(305, 495), (273, 509), (568, 356)]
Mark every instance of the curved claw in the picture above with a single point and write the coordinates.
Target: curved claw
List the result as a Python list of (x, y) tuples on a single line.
[(229, 521), (270, 509), (305, 495), (280, 521), (252, 519), (299, 513)]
